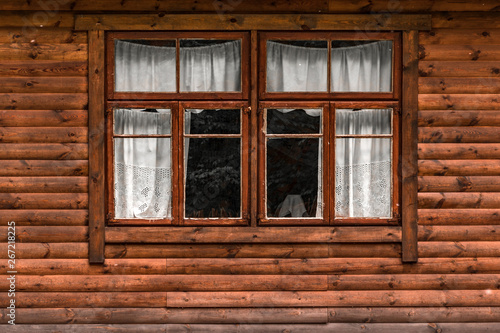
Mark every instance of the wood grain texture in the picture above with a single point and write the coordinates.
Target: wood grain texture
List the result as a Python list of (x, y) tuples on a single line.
[(459, 69), (459, 184), (409, 146), (459, 101), (96, 146), (45, 217), (457, 150), (44, 151), (461, 36), (459, 216), (459, 233), (252, 235), (30, 168), (28, 68), (44, 118), (459, 167), (458, 118), (227, 21), (43, 135), (75, 84), (458, 200)]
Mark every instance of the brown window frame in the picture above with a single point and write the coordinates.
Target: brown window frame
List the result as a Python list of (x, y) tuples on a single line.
[(178, 101)]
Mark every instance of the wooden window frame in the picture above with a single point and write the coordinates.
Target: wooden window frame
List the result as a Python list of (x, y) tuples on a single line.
[(177, 36), (409, 24), (330, 36)]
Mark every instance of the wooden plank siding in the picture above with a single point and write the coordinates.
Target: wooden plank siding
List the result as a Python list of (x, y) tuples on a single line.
[(250, 279)]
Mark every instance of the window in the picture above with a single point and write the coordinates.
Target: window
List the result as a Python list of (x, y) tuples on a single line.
[(179, 122)]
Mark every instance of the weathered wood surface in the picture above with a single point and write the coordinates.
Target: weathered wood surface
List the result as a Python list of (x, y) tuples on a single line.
[(45, 217), (226, 21), (459, 184), (459, 69), (460, 36), (40, 234), (459, 52), (452, 151), (44, 118), (458, 101), (458, 118), (458, 200), (29, 168), (463, 216), (163, 315), (51, 101), (43, 201), (75, 84), (155, 283), (459, 167), (459, 233), (251, 235), (42, 68), (43, 135), (42, 151)]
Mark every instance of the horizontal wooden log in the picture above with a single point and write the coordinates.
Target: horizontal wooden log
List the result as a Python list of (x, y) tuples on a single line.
[(75, 84), (458, 52), (87, 299), (458, 200), (163, 315), (413, 282), (458, 134), (46, 35), (458, 69), (252, 266), (44, 118), (43, 51), (461, 151), (175, 6), (414, 315), (335, 298), (458, 216), (459, 184), (44, 201), (458, 249), (54, 151), (48, 101), (263, 328), (310, 250), (30, 168), (463, 36), (43, 68), (36, 20), (252, 235), (459, 168), (45, 217), (458, 233), (82, 266), (455, 118), (47, 234), (371, 250), (459, 85), (456, 20), (47, 250), (350, 6), (469, 101), (154, 283), (43, 184), (43, 135), (227, 21)]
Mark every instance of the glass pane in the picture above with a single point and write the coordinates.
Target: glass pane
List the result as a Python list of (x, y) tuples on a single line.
[(297, 66), (142, 121), (363, 177), (208, 121), (294, 177), (213, 177), (145, 65), (143, 170), (362, 66), (210, 65), (293, 121), (363, 121)]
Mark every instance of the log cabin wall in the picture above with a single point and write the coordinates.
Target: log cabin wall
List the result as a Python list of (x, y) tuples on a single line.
[(251, 282)]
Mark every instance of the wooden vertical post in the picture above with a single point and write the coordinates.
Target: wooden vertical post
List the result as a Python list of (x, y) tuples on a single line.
[(254, 103), (96, 146), (410, 146)]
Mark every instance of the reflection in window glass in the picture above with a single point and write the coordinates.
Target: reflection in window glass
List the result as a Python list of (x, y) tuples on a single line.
[(361, 66), (213, 177), (294, 66), (293, 177), (145, 66), (210, 65), (293, 121), (208, 121)]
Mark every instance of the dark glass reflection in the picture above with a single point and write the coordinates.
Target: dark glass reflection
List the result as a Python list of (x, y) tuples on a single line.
[(213, 178), (213, 121), (292, 177), (298, 121)]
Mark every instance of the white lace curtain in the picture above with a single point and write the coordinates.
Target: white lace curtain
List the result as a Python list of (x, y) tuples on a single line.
[(363, 166)]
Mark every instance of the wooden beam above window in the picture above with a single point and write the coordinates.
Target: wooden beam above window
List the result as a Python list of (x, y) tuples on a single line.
[(161, 21)]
